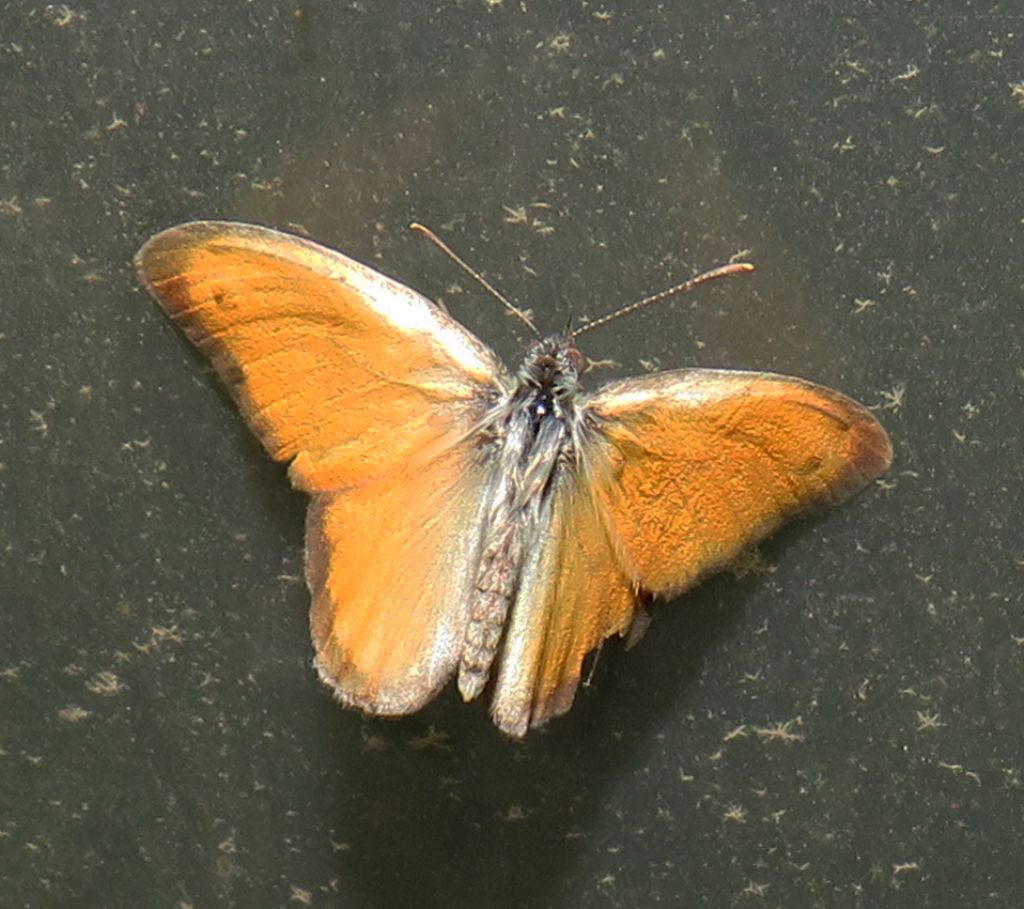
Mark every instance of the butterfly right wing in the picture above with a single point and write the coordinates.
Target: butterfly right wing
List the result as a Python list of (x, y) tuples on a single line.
[(373, 394)]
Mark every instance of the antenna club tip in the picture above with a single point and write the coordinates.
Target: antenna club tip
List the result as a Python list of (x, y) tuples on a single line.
[(742, 266)]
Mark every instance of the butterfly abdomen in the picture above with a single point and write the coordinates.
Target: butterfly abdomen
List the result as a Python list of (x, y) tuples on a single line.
[(501, 557), (500, 564)]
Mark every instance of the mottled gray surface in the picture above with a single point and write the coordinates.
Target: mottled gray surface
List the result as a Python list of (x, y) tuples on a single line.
[(842, 731)]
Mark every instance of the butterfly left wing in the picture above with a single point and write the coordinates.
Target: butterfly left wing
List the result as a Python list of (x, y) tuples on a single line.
[(679, 473)]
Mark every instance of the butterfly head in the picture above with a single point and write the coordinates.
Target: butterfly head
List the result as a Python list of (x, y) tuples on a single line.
[(553, 362), (550, 374)]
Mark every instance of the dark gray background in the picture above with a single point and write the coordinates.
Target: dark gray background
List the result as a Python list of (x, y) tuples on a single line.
[(163, 739)]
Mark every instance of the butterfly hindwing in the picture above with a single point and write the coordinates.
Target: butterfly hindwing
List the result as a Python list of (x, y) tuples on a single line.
[(391, 567), (573, 594)]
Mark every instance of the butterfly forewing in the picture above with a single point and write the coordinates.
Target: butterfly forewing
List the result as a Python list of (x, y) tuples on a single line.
[(707, 462), (338, 369)]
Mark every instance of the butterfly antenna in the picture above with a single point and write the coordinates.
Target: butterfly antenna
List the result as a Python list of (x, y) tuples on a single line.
[(723, 271), (473, 273)]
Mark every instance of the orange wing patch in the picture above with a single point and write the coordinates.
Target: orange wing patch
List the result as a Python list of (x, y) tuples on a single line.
[(573, 594), (707, 462), (391, 566), (332, 364)]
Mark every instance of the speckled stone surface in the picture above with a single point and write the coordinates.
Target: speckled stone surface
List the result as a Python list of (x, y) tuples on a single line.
[(840, 728)]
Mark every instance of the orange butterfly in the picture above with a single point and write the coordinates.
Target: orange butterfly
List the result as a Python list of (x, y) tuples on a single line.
[(469, 521)]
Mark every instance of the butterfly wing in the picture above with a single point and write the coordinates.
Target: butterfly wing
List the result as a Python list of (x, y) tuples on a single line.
[(391, 565), (337, 368), (372, 393), (704, 463), (573, 593), (679, 472)]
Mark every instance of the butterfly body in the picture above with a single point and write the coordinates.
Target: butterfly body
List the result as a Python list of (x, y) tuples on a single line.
[(468, 522), (530, 435)]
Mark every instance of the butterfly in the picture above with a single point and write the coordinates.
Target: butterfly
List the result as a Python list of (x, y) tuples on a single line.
[(470, 521)]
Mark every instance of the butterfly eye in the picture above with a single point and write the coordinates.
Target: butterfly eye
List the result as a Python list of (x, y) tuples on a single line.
[(576, 358)]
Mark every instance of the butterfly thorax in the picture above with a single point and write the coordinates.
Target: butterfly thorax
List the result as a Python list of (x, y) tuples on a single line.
[(531, 437)]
